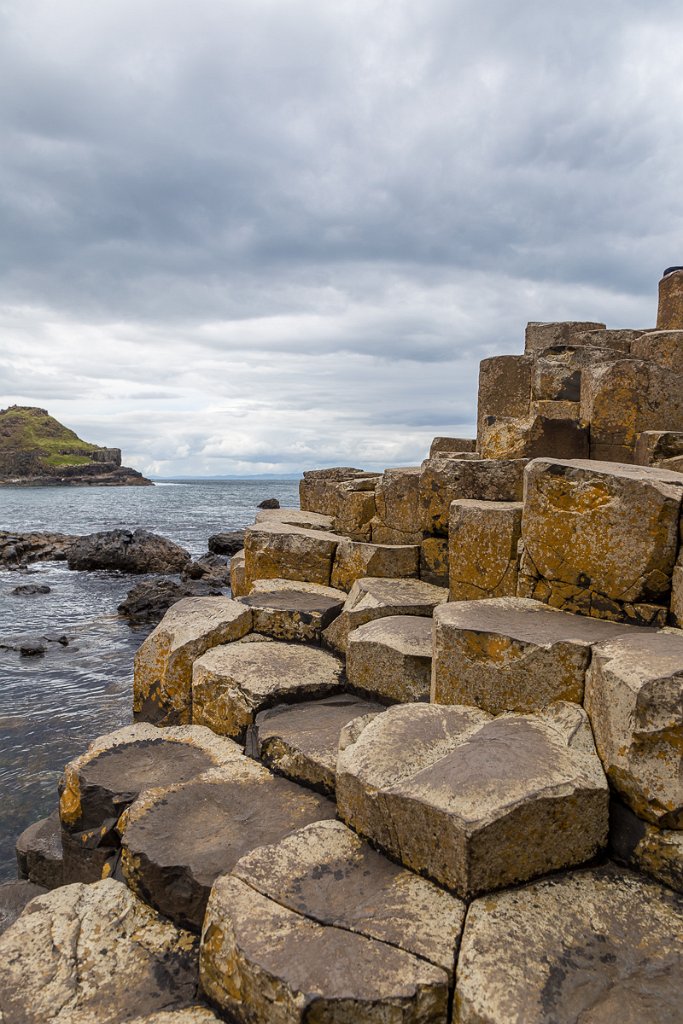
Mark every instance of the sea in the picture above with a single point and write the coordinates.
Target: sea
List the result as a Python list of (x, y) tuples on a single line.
[(53, 705)]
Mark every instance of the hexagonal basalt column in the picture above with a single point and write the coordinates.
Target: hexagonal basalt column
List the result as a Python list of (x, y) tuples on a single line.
[(293, 611), (475, 803), (371, 599), (391, 658)]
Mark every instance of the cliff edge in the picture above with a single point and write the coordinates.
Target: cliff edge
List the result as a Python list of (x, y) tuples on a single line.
[(37, 450)]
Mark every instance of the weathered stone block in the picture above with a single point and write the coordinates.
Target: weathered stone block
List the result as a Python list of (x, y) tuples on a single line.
[(540, 336), (670, 310), (295, 517), (177, 840), (391, 658), (278, 551), (556, 379), (232, 683), (602, 945), (537, 435), (13, 898), (397, 497), (264, 964), (505, 384), (293, 611), (300, 741), (482, 548), (511, 654), (654, 851), (620, 340), (238, 576), (356, 508), (327, 873), (39, 853), (162, 689), (600, 536), (677, 596), (371, 599), (93, 953), (634, 698), (663, 448), (508, 798), (444, 480), (319, 492), (434, 560), (354, 560), (445, 445), (663, 347)]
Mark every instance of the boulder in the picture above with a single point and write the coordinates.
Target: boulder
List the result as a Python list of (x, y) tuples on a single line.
[(482, 549), (227, 543), (29, 589), (397, 500), (444, 480), (391, 658), (600, 539), (210, 568), (670, 310), (434, 561), (269, 503), (162, 691), (293, 610), (355, 559), (232, 683), (93, 953), (279, 551), (634, 699), (540, 336), (178, 840), (97, 787), (20, 549), (325, 872), (147, 602), (238, 575), (372, 598), (448, 445), (264, 964), (300, 741), (14, 896), (599, 946), (508, 798), (39, 853), (656, 852), (512, 654), (134, 551)]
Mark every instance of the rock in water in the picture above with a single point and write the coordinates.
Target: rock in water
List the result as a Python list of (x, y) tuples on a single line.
[(269, 503), (228, 543), (136, 551)]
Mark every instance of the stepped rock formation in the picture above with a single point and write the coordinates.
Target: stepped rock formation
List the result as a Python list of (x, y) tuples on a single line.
[(38, 451), (477, 665)]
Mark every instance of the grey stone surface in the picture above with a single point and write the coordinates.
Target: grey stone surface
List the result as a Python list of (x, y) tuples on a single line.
[(391, 658), (292, 613), (13, 898), (371, 599), (39, 852)]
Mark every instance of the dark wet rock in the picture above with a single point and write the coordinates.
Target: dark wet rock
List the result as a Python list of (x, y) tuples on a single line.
[(39, 852), (148, 602), (211, 568), (602, 946), (269, 503), (27, 589), (134, 551), (20, 549), (13, 898), (93, 954), (32, 648), (176, 841), (301, 740), (228, 543)]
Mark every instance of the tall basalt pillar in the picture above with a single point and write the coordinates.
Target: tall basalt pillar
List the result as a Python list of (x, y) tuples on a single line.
[(670, 311)]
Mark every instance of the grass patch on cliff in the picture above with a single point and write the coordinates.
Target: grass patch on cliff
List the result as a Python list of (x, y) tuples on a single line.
[(25, 430)]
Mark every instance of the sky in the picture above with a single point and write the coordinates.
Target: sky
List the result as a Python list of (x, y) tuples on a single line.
[(243, 237)]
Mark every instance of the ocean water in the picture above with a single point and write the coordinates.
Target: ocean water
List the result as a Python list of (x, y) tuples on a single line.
[(53, 705)]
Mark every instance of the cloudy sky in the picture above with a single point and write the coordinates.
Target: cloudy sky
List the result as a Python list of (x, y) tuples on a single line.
[(253, 236)]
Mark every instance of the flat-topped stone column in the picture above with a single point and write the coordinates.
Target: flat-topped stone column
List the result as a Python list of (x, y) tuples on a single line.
[(670, 311)]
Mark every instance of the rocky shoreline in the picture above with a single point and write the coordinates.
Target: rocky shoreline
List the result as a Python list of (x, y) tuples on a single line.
[(424, 765)]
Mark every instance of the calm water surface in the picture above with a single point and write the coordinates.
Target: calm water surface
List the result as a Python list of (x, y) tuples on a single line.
[(52, 706)]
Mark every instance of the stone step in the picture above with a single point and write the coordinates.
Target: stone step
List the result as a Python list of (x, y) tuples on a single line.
[(40, 858), (475, 803), (373, 598), (275, 550), (309, 971), (513, 654), (162, 688), (177, 840), (94, 953), (355, 560), (232, 683), (482, 549), (300, 741), (296, 517), (97, 787), (391, 658), (600, 945), (14, 896), (288, 610), (634, 699), (363, 934)]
